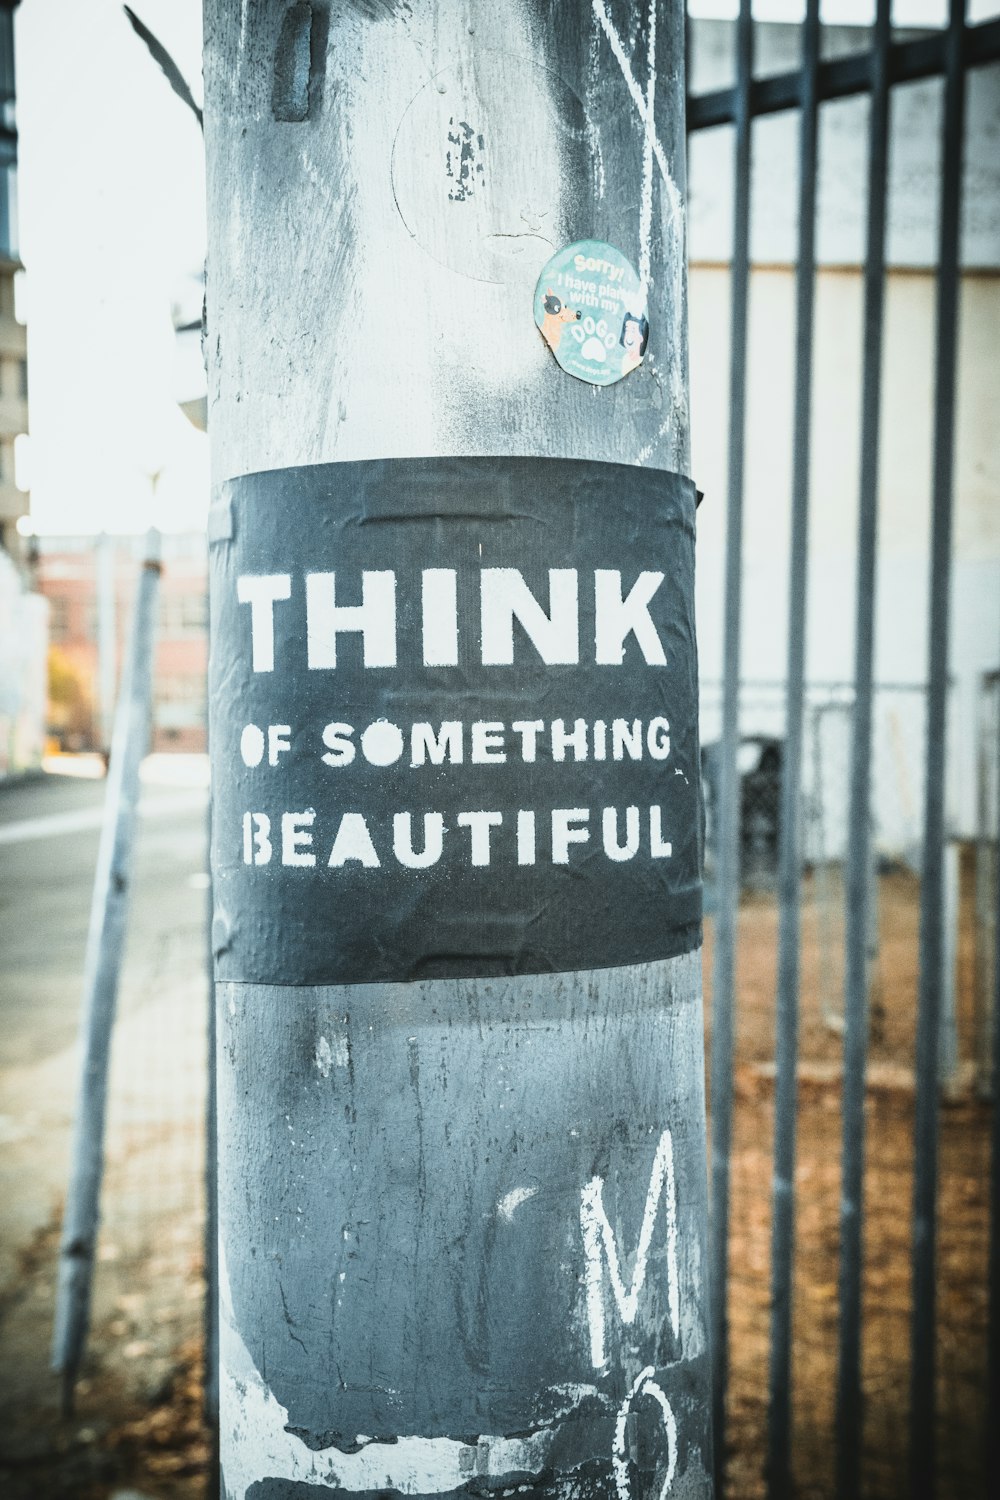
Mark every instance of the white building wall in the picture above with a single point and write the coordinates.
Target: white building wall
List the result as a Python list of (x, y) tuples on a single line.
[(23, 647), (907, 424)]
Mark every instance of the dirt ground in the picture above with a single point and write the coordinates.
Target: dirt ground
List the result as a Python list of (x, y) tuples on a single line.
[(138, 1426), (962, 1216)]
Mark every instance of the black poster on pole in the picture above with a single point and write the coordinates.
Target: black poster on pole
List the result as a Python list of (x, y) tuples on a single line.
[(454, 720)]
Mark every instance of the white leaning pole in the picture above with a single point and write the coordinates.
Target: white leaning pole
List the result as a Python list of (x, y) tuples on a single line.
[(456, 811), (105, 951)]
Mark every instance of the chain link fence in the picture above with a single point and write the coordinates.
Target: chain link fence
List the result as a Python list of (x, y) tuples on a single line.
[(898, 756), (898, 768)]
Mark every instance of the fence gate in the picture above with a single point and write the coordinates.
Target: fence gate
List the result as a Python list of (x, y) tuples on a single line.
[(889, 60)]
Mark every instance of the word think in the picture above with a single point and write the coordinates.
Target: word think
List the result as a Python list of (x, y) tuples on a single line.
[(504, 597)]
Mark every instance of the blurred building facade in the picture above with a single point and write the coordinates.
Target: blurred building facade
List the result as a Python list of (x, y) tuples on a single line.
[(13, 338), (89, 584), (22, 611)]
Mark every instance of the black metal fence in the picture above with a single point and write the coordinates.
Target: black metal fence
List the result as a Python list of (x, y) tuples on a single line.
[(948, 54)]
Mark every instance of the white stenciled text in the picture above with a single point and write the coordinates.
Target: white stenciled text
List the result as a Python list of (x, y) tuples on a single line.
[(480, 837)]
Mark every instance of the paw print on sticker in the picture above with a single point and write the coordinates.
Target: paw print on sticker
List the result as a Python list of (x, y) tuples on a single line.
[(595, 339)]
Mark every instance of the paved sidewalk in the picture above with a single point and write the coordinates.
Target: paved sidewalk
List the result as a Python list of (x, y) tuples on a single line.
[(147, 1292)]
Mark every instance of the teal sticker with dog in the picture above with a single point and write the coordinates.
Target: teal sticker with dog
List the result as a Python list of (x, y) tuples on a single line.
[(590, 308)]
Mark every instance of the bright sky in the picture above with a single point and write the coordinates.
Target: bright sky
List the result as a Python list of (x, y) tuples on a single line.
[(112, 225), (111, 195)]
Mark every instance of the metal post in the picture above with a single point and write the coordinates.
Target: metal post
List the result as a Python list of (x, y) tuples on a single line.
[(822, 883), (462, 1190), (948, 1058), (210, 1357), (860, 887), (105, 948), (107, 639), (724, 965), (790, 833), (987, 875), (923, 1447), (993, 1325)]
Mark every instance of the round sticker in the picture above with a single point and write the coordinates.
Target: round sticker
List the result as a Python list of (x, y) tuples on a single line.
[(590, 309)]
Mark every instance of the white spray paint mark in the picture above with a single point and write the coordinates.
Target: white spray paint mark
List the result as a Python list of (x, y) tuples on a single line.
[(593, 75), (320, 180), (513, 1200), (576, 1392), (646, 202), (644, 1385), (678, 397), (257, 1444), (651, 142), (599, 1245), (645, 116), (236, 76), (336, 1056)]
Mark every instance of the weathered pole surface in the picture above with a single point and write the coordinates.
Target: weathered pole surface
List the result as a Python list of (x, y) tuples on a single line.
[(462, 1189), (105, 950)]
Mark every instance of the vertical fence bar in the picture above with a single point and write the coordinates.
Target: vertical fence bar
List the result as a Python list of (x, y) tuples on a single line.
[(789, 856), (993, 1336), (858, 877), (210, 1362), (922, 1408), (987, 835), (948, 1023), (107, 640), (724, 963), (210, 1324)]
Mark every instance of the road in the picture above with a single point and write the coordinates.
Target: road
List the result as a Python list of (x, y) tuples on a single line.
[(49, 832), (147, 1289)]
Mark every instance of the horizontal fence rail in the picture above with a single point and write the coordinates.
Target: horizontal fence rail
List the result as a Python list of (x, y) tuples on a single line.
[(947, 54), (842, 77)]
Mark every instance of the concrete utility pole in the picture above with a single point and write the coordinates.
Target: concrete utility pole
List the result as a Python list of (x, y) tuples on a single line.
[(456, 822)]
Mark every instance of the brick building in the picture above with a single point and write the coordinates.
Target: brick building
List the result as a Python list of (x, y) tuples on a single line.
[(90, 584)]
